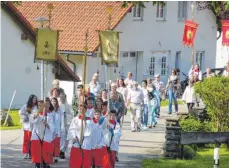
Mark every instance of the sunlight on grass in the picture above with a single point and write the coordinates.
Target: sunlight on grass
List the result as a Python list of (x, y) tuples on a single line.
[(166, 102), (204, 159), (16, 120)]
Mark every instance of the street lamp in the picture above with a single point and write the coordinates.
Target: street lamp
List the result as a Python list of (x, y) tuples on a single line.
[(42, 21)]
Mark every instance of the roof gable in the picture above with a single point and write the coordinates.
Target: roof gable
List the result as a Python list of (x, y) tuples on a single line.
[(74, 18), (13, 11)]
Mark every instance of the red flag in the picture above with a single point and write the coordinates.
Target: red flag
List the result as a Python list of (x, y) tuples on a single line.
[(189, 32), (225, 32)]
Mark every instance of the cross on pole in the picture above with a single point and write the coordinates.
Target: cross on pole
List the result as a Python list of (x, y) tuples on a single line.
[(50, 8)]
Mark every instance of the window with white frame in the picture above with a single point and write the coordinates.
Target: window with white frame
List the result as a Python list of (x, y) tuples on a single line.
[(129, 54), (182, 10), (133, 54), (178, 59), (200, 59), (161, 11), (163, 66), (137, 12), (152, 66)]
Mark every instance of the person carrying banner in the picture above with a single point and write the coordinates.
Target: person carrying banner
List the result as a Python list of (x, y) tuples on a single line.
[(27, 126), (80, 155), (42, 134)]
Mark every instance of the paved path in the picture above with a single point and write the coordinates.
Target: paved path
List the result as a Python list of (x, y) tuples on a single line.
[(134, 146)]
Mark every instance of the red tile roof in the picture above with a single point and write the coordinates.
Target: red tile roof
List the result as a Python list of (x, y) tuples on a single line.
[(32, 31), (74, 18)]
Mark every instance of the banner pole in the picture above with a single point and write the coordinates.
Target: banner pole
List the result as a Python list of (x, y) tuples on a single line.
[(84, 84), (192, 59), (9, 109)]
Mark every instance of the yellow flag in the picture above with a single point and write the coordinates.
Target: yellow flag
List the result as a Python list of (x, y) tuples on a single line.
[(46, 44), (109, 42)]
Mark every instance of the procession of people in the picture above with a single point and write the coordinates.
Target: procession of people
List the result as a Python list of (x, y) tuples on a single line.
[(90, 130)]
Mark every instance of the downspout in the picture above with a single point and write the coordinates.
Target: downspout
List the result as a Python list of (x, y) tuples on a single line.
[(74, 70)]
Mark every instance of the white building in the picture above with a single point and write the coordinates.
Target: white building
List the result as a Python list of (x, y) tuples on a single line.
[(222, 55), (18, 70), (150, 42)]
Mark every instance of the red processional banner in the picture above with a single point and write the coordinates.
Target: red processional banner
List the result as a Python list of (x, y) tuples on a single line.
[(189, 32), (225, 32)]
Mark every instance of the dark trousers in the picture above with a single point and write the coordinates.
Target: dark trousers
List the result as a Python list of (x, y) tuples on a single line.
[(190, 106)]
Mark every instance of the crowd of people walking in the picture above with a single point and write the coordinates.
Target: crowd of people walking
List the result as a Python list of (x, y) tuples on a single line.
[(91, 128)]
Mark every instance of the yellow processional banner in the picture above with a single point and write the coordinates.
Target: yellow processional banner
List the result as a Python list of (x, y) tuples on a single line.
[(109, 43), (46, 44)]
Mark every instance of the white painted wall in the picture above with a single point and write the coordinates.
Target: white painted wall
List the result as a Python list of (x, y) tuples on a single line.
[(159, 38), (18, 70), (222, 54), (146, 35)]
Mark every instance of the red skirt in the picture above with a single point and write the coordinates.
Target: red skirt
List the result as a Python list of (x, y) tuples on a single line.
[(36, 151), (76, 160), (40, 153), (108, 158), (47, 148), (97, 156), (26, 142), (56, 145)]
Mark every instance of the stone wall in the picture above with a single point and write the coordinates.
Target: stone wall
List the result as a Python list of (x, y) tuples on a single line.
[(173, 148)]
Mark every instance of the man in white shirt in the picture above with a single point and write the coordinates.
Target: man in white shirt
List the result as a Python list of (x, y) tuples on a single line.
[(135, 101), (128, 81), (94, 85)]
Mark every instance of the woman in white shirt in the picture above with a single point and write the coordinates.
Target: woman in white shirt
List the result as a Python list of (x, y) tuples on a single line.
[(146, 102), (59, 127), (42, 134), (123, 90), (27, 126)]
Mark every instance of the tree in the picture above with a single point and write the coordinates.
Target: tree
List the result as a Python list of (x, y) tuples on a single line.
[(215, 95), (219, 8)]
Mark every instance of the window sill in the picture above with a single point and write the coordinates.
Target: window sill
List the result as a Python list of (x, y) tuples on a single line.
[(160, 20), (181, 20), (137, 19)]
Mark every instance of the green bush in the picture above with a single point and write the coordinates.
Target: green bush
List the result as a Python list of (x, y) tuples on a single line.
[(215, 95), (192, 124), (189, 152)]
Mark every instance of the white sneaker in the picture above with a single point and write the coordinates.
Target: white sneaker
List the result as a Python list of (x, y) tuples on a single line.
[(26, 156), (144, 128)]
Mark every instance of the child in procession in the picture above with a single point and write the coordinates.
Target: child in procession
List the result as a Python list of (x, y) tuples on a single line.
[(42, 135), (110, 141), (59, 128), (97, 135), (189, 95), (90, 106), (27, 126), (80, 155), (104, 109)]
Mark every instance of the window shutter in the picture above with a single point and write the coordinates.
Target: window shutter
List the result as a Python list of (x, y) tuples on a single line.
[(179, 10)]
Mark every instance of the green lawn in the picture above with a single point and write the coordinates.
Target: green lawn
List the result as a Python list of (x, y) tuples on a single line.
[(204, 159), (166, 102), (16, 120)]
